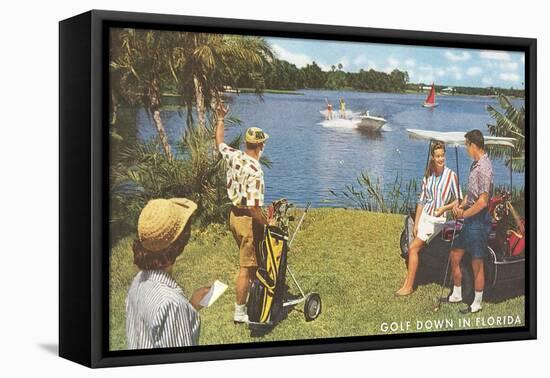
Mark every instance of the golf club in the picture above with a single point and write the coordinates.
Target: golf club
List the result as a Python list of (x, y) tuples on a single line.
[(436, 309)]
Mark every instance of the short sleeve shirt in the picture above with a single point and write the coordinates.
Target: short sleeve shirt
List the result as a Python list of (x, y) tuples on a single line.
[(480, 180), (245, 178)]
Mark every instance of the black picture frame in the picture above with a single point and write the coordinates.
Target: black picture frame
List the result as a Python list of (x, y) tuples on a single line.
[(83, 181)]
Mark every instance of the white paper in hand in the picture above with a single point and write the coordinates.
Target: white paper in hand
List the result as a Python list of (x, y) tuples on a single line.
[(216, 290)]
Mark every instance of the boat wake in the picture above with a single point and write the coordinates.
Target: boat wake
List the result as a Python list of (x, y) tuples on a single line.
[(344, 124), (336, 114)]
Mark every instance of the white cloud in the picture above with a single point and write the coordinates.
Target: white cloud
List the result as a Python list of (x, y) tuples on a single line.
[(457, 56), (360, 60), (428, 73), (509, 66), (523, 59), (300, 60), (392, 65), (487, 81), (371, 65), (509, 77), (474, 71), (363, 62), (324, 66), (345, 62), (410, 63), (425, 78), (494, 55), (455, 71), (392, 62)]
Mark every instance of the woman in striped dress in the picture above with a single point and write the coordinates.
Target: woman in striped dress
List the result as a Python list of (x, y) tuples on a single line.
[(439, 186)]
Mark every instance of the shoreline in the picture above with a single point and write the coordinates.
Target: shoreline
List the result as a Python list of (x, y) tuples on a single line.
[(297, 93)]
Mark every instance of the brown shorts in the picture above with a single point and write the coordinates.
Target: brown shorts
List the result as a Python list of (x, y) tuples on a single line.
[(247, 234)]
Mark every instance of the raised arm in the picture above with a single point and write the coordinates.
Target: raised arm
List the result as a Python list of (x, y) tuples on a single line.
[(221, 112)]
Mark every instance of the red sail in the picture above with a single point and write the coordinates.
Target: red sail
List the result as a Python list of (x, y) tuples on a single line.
[(431, 96)]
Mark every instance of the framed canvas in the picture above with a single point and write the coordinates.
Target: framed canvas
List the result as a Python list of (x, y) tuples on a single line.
[(235, 188)]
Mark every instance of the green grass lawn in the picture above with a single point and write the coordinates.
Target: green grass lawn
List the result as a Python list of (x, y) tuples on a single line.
[(350, 257)]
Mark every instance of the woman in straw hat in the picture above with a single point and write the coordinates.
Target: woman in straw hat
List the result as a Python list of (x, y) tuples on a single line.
[(158, 314)]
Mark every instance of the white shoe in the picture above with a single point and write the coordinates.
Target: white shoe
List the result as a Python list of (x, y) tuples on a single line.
[(240, 318), (475, 308), (240, 314), (453, 299)]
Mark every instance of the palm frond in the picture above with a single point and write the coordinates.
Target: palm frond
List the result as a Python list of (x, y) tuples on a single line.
[(509, 123)]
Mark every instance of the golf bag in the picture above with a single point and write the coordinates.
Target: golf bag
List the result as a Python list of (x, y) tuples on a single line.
[(265, 301)]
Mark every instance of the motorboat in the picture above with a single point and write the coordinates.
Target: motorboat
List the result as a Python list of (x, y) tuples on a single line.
[(367, 122)]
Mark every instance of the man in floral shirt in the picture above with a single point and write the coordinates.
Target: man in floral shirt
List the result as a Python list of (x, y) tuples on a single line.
[(474, 235), (245, 189)]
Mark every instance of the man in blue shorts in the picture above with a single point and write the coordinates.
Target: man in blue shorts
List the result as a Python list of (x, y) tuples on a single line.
[(474, 235)]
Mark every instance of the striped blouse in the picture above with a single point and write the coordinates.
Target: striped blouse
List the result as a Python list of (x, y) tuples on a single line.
[(436, 190), (158, 315)]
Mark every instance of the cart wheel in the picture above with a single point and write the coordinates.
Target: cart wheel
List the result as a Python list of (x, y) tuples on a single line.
[(312, 307)]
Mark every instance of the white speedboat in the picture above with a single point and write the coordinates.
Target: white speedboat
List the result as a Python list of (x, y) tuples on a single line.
[(367, 122)]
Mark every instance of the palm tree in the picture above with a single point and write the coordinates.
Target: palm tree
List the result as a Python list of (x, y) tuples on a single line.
[(204, 63), (137, 63), (510, 123)]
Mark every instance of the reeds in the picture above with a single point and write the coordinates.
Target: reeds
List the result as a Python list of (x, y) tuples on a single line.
[(395, 197)]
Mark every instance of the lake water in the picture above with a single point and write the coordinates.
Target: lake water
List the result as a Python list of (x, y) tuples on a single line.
[(311, 156)]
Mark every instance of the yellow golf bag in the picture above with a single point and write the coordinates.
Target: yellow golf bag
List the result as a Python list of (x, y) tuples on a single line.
[(268, 295), (265, 301)]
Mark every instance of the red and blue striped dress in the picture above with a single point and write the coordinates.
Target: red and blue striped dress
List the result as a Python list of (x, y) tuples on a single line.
[(437, 190)]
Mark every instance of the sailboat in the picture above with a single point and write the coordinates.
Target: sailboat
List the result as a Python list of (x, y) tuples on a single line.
[(430, 100)]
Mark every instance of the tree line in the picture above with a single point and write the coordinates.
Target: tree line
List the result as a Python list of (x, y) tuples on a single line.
[(468, 91), (287, 76)]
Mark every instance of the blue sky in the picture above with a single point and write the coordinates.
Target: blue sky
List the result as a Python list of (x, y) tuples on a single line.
[(444, 66)]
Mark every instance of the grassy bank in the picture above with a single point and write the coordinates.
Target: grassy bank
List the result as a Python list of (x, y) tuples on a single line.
[(350, 257)]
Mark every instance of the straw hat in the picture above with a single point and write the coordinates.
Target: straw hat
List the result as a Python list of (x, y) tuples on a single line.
[(161, 222), (255, 135)]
